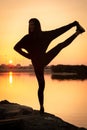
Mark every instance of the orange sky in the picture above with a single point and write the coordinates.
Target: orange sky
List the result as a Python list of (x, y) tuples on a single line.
[(14, 17)]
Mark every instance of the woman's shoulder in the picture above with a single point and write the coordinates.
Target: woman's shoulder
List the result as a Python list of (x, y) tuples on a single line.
[(26, 36)]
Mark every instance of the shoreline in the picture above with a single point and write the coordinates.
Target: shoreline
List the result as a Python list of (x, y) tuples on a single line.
[(15, 116)]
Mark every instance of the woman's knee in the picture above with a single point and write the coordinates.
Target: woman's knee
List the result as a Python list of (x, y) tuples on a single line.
[(41, 85)]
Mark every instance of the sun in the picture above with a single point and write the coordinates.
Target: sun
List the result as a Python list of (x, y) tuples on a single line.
[(10, 61)]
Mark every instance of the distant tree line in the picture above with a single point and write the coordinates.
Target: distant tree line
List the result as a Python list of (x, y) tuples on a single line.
[(79, 70)]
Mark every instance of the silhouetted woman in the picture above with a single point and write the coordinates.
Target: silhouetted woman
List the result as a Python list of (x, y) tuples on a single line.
[(36, 44)]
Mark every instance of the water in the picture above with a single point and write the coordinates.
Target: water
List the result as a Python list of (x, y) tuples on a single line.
[(66, 99)]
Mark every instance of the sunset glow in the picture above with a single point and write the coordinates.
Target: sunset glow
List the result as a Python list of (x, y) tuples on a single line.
[(10, 61), (52, 14)]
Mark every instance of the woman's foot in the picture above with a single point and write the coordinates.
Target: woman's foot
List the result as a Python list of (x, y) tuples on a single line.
[(80, 29), (42, 110)]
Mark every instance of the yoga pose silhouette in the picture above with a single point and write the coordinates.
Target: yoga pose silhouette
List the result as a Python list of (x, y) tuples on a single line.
[(36, 44)]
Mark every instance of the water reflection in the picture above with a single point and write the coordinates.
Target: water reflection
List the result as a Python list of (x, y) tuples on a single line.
[(10, 77), (67, 98)]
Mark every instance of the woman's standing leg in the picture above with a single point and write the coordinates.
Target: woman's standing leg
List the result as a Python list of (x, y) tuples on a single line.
[(41, 82)]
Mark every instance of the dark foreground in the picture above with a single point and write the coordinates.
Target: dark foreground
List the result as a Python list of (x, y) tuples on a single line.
[(18, 117)]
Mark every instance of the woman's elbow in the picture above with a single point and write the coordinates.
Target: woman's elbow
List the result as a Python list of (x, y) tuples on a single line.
[(15, 48)]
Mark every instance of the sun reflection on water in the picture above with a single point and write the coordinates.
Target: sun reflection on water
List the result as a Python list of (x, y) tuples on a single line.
[(10, 77)]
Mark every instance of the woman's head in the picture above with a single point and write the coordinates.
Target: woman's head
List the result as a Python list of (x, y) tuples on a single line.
[(34, 25)]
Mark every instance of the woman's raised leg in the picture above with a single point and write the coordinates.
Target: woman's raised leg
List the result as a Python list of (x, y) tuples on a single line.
[(49, 56), (59, 31)]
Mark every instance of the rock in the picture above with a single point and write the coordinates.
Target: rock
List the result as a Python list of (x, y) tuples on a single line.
[(11, 110), (18, 117)]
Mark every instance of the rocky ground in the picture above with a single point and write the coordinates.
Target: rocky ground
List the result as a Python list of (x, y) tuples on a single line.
[(18, 117)]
